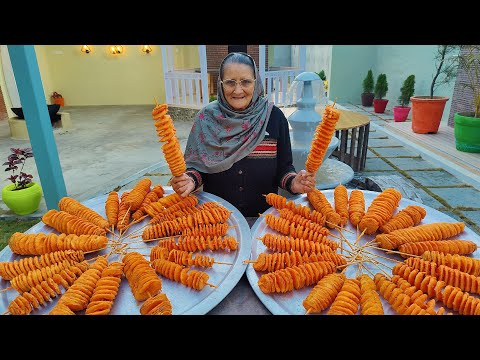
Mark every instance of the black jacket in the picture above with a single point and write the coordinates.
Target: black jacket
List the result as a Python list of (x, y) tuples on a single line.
[(265, 169)]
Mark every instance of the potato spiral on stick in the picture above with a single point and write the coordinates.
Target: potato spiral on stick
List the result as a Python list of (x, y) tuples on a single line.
[(347, 300), (201, 243), (463, 263), (76, 208), (370, 303), (340, 196), (321, 139), (408, 217), (323, 293), (320, 203), (380, 210), (283, 243), (111, 208), (105, 290), (10, 269), (136, 196), (192, 278), (356, 207), (67, 223), (142, 279), (166, 133), (156, 305), (461, 247)]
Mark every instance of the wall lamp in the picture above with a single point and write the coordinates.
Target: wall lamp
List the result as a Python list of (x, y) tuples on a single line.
[(86, 49), (116, 49), (147, 49)]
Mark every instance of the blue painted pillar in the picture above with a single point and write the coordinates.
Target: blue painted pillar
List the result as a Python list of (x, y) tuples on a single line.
[(32, 96)]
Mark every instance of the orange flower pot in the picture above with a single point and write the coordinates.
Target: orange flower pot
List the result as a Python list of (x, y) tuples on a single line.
[(427, 113)]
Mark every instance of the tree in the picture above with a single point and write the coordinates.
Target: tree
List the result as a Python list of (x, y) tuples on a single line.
[(407, 90), (445, 66), (368, 82), (381, 87)]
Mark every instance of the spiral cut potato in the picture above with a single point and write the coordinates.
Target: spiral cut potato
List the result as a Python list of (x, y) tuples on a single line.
[(136, 196), (153, 196), (24, 282), (295, 277), (10, 269), (323, 293), (142, 279), (408, 217), (184, 206), (418, 296), (200, 243), (40, 243), (280, 202), (67, 223), (356, 207), (191, 278), (105, 290), (347, 300), (427, 232), (283, 243), (400, 302), (320, 203), (299, 219), (186, 258), (61, 309), (380, 210), (77, 297), (111, 208), (281, 260), (321, 139), (460, 247), (340, 196), (124, 213), (203, 217), (207, 230), (156, 305), (40, 294), (166, 133), (76, 208), (370, 303), (286, 227), (452, 297), (463, 263), (454, 277)]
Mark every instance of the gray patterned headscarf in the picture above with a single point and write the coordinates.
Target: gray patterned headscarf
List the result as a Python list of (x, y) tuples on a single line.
[(221, 136)]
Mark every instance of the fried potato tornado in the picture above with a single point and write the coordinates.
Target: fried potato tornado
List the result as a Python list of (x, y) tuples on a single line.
[(380, 210), (111, 208), (347, 300), (320, 203), (370, 303), (142, 279), (105, 290), (67, 223), (152, 196), (340, 196), (166, 133), (463, 263), (192, 278), (10, 269), (76, 208), (156, 305), (321, 139), (408, 217), (283, 243), (317, 233), (323, 294), (280, 202), (427, 232), (201, 243), (40, 243), (295, 277), (282, 260), (124, 213), (460, 247), (356, 206), (136, 196)]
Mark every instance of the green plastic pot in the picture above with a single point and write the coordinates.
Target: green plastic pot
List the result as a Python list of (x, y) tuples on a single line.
[(22, 202), (467, 132)]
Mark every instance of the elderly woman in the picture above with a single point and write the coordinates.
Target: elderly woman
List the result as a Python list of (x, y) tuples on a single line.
[(239, 146)]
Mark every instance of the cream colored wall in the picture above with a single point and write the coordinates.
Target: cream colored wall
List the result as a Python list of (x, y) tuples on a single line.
[(100, 78), (186, 57)]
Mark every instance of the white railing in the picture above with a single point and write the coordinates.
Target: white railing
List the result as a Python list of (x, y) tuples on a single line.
[(184, 88), (277, 84)]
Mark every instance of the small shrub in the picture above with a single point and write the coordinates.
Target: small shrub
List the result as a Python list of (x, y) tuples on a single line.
[(381, 87), (368, 82), (407, 90)]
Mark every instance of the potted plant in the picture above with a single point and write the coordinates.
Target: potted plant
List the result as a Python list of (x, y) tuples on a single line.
[(381, 88), (427, 111), (23, 195), (467, 124), (368, 95), (400, 113)]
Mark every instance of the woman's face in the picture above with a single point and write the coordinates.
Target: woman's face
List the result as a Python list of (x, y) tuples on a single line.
[(239, 97)]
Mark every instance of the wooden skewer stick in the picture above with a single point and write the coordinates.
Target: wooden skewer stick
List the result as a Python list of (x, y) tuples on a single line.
[(384, 257), (91, 251), (223, 263), (111, 232), (308, 311), (147, 240), (339, 227), (154, 99), (359, 237), (6, 312), (334, 101), (394, 252), (6, 289), (211, 285), (249, 261)]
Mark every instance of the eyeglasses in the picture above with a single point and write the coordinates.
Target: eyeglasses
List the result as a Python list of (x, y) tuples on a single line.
[(231, 84)]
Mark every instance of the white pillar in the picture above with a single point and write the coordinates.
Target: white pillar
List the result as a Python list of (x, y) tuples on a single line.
[(202, 52), (261, 63)]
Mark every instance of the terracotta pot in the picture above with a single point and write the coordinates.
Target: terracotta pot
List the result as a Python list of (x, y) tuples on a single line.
[(367, 99), (379, 105), (400, 113), (427, 113)]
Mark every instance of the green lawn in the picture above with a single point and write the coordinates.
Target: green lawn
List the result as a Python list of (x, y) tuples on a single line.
[(8, 227)]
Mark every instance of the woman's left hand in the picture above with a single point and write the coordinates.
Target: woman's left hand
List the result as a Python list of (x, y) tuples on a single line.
[(303, 182)]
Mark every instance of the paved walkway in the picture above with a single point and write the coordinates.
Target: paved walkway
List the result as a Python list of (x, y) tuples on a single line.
[(132, 152)]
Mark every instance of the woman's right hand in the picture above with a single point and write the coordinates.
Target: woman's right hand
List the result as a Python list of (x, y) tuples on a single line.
[(183, 185)]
